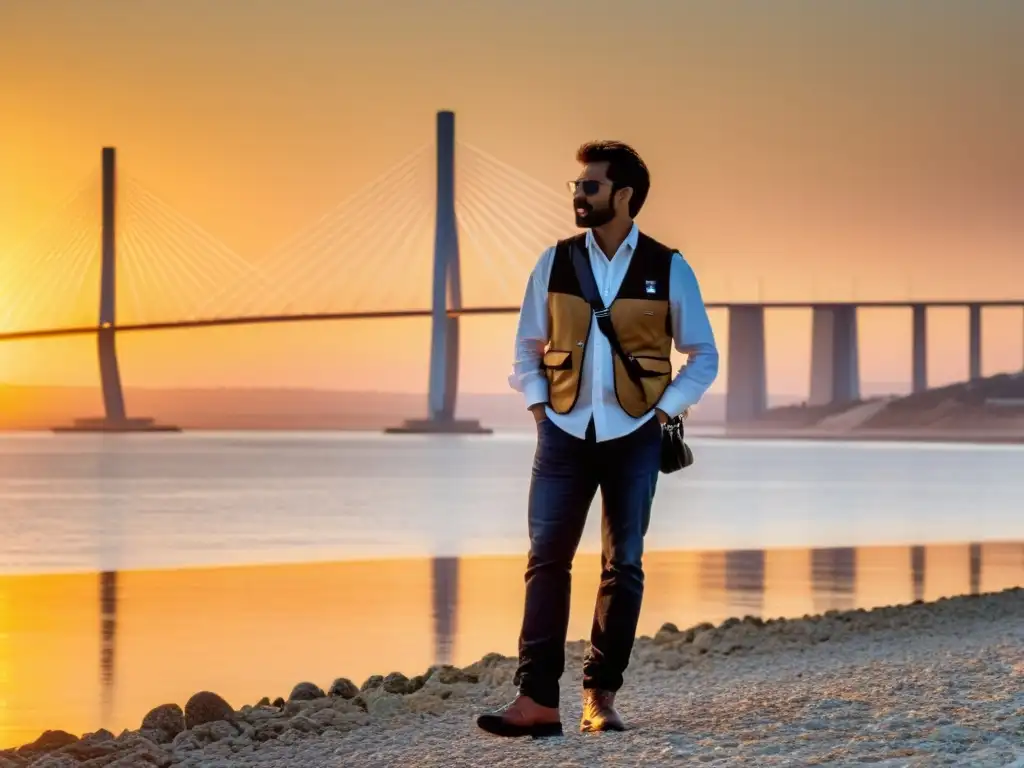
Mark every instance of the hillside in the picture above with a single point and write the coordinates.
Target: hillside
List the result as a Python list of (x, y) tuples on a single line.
[(992, 405), (996, 402)]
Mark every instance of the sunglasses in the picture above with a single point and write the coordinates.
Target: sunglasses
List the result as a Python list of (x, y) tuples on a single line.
[(588, 187)]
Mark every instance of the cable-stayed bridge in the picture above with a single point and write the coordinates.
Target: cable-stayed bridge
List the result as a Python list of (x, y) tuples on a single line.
[(370, 257)]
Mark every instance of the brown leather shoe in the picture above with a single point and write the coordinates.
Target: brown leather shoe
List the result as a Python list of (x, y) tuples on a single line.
[(599, 712), (522, 717)]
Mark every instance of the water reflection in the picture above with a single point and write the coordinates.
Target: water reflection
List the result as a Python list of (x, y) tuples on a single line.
[(252, 631), (833, 572), (108, 642), (108, 525), (744, 579), (446, 597)]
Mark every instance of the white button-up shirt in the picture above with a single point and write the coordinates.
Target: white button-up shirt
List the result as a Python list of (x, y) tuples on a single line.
[(691, 332)]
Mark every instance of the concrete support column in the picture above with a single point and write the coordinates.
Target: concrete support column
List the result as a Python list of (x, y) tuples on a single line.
[(919, 349), (446, 294), (444, 337), (114, 416), (974, 335), (110, 373), (747, 383), (835, 371)]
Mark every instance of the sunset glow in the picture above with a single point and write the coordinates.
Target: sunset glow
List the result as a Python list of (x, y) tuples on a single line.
[(786, 163)]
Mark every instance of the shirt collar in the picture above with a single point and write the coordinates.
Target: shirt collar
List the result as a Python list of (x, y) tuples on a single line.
[(630, 240)]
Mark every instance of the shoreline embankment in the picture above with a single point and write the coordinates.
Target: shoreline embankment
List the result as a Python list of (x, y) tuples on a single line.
[(908, 685)]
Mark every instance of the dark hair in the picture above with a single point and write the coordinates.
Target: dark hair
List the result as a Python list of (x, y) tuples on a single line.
[(625, 169)]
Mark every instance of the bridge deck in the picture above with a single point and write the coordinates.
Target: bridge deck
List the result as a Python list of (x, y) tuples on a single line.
[(214, 322)]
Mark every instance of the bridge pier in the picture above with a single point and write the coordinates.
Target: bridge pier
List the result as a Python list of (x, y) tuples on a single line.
[(447, 294), (835, 372), (114, 418), (746, 386), (974, 345), (919, 349)]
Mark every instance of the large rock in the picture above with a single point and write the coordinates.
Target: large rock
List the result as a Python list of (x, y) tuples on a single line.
[(396, 682), (449, 675), (165, 722), (207, 733), (373, 681), (704, 640), (344, 688), (48, 742), (306, 692), (206, 707)]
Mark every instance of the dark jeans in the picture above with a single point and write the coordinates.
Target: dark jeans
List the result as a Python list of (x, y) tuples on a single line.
[(567, 472)]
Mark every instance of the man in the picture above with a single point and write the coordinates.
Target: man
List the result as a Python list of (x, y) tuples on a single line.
[(598, 429)]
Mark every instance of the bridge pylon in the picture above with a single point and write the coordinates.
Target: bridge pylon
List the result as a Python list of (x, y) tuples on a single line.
[(114, 418), (447, 294)]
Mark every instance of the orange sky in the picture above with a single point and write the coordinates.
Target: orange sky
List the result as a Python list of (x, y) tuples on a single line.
[(868, 150)]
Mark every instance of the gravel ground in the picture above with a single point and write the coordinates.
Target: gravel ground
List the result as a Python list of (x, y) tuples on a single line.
[(922, 685)]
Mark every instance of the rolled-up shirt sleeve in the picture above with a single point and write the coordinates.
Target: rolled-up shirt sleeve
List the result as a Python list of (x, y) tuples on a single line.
[(693, 336), (532, 336)]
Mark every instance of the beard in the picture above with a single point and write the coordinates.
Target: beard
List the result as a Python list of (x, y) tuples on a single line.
[(592, 217)]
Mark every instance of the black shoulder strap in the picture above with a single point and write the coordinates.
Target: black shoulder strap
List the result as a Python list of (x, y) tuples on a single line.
[(585, 275)]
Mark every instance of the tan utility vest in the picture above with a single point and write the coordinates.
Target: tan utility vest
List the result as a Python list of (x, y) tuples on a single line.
[(641, 317)]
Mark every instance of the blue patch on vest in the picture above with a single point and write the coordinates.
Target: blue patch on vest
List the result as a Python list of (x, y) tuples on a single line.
[(652, 286)]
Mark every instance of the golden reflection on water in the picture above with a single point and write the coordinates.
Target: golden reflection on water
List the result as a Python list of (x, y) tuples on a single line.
[(84, 651)]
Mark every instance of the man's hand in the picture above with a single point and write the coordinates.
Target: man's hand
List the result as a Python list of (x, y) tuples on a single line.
[(538, 412)]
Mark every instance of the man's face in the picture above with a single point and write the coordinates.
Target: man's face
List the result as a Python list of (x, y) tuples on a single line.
[(592, 196)]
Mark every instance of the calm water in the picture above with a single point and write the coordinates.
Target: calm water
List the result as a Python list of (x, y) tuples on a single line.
[(136, 570)]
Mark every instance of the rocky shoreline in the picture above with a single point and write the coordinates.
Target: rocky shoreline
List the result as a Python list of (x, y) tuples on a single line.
[(423, 720)]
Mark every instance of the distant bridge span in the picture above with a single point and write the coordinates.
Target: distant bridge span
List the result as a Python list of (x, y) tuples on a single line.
[(835, 368), (221, 322)]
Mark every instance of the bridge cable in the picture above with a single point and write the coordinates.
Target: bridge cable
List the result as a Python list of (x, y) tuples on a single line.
[(340, 210), (58, 252), (226, 255), (518, 238), (377, 247), (353, 231), (126, 245), (205, 261), (158, 242), (342, 218), (517, 224), (148, 260), (528, 211), (546, 200), (161, 254), (281, 266), (398, 246), (486, 244)]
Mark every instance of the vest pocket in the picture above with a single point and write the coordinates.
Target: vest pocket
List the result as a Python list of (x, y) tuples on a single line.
[(652, 364), (556, 360), (635, 400), (562, 379)]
